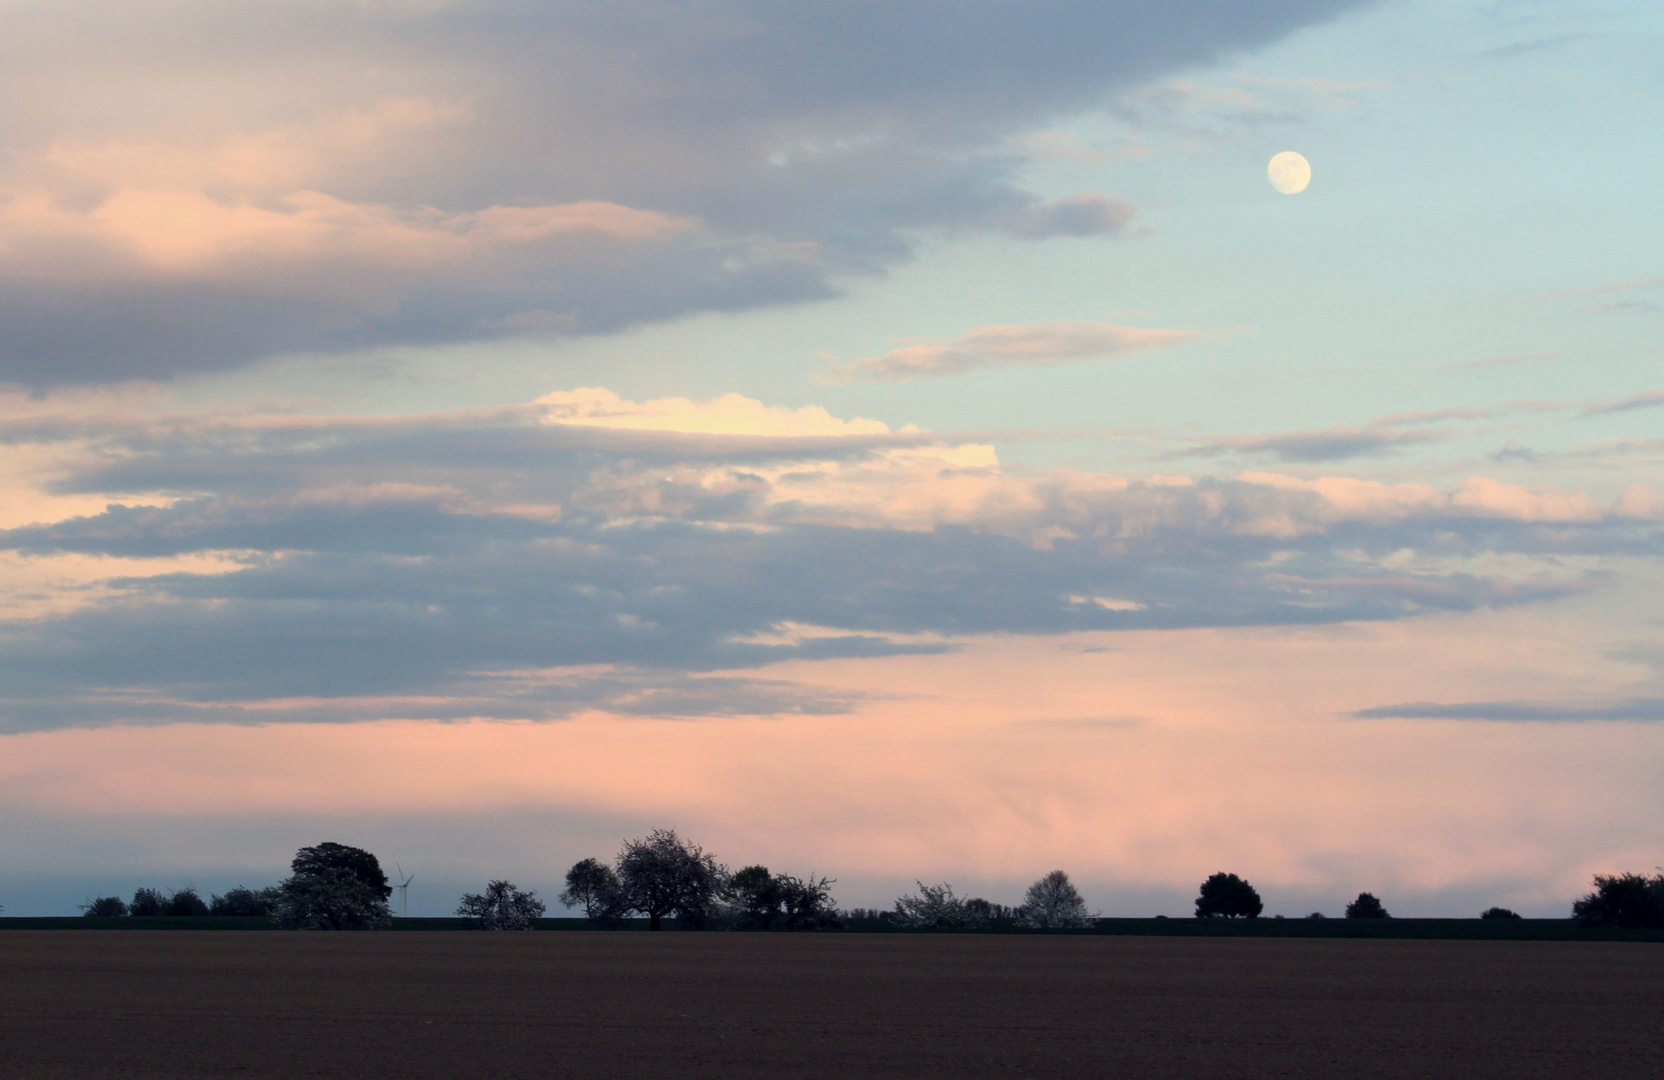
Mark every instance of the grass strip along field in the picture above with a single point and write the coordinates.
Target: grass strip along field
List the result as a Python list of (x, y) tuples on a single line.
[(782, 1007), (1447, 929)]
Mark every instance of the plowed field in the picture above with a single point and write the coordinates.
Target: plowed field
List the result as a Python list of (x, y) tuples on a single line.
[(91, 1005)]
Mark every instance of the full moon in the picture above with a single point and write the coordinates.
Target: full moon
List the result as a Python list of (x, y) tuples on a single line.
[(1289, 172)]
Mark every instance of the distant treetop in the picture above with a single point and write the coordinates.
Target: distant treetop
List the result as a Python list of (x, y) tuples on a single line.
[(332, 856), (1226, 896), (1627, 901), (1052, 903), (503, 906), (334, 887)]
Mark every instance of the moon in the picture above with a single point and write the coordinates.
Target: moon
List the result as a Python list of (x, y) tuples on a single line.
[(1289, 172)]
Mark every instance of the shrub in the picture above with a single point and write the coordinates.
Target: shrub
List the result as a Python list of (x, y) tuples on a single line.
[(1052, 903), (983, 911), (1497, 913), (185, 902), (147, 902), (1627, 901), (1366, 906), (1226, 896), (246, 902), (1317, 915), (865, 913), (104, 907), (502, 907)]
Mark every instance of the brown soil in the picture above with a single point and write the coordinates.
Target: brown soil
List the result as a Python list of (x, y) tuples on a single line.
[(91, 1005)]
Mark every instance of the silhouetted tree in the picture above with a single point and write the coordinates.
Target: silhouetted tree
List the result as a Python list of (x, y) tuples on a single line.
[(662, 874), (592, 885), (1053, 904), (147, 902), (356, 861), (104, 907), (1226, 896), (1366, 906), (765, 900), (1627, 901), (1497, 913), (936, 908), (806, 903), (985, 911), (246, 902), (756, 896), (502, 906), (185, 902), (334, 887)]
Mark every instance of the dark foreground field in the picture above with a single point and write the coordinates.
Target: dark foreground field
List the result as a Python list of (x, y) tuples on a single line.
[(504, 1006)]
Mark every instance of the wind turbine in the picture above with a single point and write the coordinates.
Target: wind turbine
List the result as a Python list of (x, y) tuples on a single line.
[(403, 887)]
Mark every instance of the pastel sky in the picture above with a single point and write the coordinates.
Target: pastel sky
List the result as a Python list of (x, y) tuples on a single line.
[(904, 440)]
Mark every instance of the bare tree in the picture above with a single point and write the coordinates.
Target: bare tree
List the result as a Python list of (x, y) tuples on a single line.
[(1053, 904), (502, 906), (663, 874), (935, 908)]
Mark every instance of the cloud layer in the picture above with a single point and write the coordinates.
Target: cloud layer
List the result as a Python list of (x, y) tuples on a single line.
[(234, 180), (586, 551)]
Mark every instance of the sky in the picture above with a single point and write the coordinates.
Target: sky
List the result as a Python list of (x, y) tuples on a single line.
[(904, 441)]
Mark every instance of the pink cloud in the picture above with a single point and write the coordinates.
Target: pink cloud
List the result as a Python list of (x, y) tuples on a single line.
[(187, 235), (1033, 345), (1142, 759)]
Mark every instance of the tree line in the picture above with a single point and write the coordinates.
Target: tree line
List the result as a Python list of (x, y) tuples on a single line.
[(663, 876), (330, 887)]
